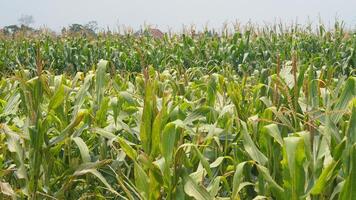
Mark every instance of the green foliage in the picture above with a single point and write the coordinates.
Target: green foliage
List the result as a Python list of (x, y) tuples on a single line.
[(245, 50), (180, 129)]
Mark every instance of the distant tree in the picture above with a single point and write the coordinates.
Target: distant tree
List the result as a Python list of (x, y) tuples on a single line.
[(76, 28), (23, 27), (26, 20), (11, 29), (88, 29), (92, 26), (64, 31)]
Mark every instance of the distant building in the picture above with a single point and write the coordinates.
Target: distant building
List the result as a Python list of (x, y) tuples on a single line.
[(156, 33)]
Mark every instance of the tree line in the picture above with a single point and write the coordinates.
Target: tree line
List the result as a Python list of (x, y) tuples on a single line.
[(26, 22)]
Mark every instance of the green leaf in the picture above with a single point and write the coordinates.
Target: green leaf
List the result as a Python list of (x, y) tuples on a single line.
[(198, 113), (237, 179), (347, 94), (101, 113), (102, 179), (83, 148), (69, 129), (13, 144), (326, 177), (351, 132), (293, 164), (348, 190), (81, 94), (251, 148), (12, 103), (287, 76), (104, 133), (168, 141), (217, 162), (211, 91), (313, 97), (147, 117), (130, 152), (158, 123), (100, 80), (141, 181), (57, 98), (192, 189), (213, 187), (281, 117), (266, 175), (98, 175), (337, 189), (273, 131), (260, 197), (203, 161), (127, 96)]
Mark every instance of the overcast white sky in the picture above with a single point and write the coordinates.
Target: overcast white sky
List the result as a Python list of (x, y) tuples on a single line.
[(173, 13)]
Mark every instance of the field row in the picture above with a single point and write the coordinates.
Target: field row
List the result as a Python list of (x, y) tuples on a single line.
[(288, 132), (245, 50)]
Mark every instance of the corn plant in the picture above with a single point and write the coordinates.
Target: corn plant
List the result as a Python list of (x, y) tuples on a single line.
[(279, 127)]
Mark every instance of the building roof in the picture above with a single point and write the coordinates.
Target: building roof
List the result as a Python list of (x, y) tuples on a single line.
[(156, 33)]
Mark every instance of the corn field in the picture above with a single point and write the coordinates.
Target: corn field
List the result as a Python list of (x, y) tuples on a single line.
[(264, 113)]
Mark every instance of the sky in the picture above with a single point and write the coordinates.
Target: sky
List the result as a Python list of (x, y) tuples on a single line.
[(174, 14)]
